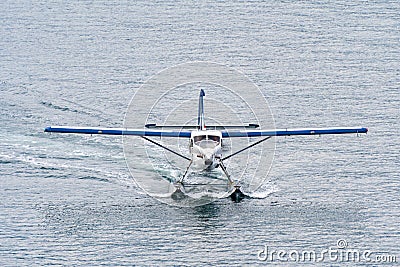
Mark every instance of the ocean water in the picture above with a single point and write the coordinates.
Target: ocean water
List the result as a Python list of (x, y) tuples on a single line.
[(71, 200)]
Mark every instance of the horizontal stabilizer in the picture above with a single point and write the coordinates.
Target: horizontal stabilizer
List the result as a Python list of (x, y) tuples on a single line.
[(208, 127)]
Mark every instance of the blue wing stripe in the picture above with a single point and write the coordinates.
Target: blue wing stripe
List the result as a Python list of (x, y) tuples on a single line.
[(288, 132), (117, 131)]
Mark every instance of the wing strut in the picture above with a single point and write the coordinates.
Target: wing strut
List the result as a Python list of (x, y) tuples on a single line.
[(160, 145), (247, 147)]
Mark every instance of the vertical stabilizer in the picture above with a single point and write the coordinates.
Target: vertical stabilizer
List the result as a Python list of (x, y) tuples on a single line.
[(200, 117)]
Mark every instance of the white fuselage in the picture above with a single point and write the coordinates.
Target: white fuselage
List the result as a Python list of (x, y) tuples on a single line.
[(206, 149)]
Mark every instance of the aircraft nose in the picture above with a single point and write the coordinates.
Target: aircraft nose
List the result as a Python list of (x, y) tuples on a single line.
[(208, 159)]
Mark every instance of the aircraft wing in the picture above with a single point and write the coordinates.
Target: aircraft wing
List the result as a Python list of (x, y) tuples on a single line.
[(186, 133), (289, 132), (117, 131)]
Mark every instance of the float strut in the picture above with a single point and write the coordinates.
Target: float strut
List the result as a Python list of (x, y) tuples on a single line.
[(184, 175)]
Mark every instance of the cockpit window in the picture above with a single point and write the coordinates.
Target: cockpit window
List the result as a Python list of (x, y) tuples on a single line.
[(209, 138), (199, 138), (214, 138)]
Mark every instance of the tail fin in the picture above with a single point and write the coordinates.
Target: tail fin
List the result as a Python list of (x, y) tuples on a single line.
[(200, 117)]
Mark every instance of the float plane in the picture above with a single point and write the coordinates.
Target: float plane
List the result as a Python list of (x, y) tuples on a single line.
[(205, 143)]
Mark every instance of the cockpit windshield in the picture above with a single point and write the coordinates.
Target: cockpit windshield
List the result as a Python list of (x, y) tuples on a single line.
[(199, 138), (214, 138), (206, 140)]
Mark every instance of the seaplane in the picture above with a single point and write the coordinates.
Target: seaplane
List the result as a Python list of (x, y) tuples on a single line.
[(205, 142)]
